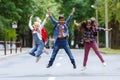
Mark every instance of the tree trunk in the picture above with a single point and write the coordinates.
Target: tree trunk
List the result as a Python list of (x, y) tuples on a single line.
[(115, 35)]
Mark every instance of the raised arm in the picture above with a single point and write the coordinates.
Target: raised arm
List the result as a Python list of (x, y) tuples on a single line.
[(76, 23), (103, 29), (43, 23), (79, 25), (71, 15), (30, 23), (51, 18), (108, 29)]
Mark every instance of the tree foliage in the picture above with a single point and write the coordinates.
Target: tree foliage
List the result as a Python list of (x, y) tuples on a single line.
[(8, 13), (21, 10), (113, 20), (113, 10)]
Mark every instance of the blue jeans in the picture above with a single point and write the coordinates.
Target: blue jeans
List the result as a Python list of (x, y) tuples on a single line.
[(61, 43), (38, 47), (36, 50)]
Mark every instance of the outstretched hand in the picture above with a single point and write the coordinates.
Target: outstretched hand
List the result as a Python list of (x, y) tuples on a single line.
[(74, 21), (87, 40), (49, 11), (108, 29), (47, 15), (73, 10), (31, 17)]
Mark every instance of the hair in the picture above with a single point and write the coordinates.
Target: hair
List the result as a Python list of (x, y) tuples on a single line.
[(94, 22), (61, 17), (94, 26), (84, 24), (92, 19), (88, 22), (38, 19)]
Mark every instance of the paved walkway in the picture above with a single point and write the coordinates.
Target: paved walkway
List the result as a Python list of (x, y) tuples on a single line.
[(9, 54), (23, 67)]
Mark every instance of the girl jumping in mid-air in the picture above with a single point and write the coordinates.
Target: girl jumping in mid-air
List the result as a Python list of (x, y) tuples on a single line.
[(45, 37), (38, 43), (89, 37)]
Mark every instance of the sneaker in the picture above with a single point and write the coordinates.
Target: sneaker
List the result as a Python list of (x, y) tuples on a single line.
[(83, 68), (104, 64), (37, 59), (49, 65), (45, 51), (74, 66)]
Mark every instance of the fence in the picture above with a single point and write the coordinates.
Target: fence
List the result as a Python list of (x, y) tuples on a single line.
[(10, 45)]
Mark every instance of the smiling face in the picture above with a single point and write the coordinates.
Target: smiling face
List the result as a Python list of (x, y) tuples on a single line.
[(36, 25), (88, 25), (61, 19)]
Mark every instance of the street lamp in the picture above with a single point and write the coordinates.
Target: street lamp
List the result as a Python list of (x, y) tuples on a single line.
[(14, 24), (106, 23), (95, 7)]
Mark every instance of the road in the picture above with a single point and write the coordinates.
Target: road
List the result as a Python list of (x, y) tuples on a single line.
[(23, 67)]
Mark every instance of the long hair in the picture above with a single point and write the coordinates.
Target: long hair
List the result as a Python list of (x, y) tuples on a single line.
[(94, 26)]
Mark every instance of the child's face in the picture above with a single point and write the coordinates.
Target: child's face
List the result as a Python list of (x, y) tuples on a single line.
[(61, 21), (36, 25), (88, 25)]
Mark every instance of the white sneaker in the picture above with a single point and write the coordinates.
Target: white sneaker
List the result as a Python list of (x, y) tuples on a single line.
[(104, 64), (37, 59), (45, 51), (83, 68)]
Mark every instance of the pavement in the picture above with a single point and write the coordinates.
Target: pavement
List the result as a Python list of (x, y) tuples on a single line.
[(22, 66)]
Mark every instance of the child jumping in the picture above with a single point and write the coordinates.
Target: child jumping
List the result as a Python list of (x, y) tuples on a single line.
[(89, 38), (44, 39), (38, 43), (60, 35)]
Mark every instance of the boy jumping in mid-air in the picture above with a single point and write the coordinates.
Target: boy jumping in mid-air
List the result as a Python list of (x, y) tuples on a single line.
[(60, 35)]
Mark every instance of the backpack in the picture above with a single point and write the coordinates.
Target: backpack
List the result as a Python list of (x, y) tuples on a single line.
[(44, 35)]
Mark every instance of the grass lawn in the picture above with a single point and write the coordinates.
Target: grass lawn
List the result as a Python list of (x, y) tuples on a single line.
[(109, 51)]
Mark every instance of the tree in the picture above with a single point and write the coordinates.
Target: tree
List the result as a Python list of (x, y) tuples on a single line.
[(8, 12), (20, 11), (15, 10), (113, 18)]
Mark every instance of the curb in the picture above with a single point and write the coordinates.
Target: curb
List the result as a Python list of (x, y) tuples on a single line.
[(4, 57)]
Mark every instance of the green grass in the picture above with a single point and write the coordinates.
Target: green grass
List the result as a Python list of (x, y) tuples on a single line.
[(109, 51)]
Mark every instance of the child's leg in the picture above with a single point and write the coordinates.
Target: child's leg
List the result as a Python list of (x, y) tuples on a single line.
[(95, 48), (69, 53), (86, 52), (45, 51), (32, 51), (39, 51), (54, 53)]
